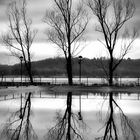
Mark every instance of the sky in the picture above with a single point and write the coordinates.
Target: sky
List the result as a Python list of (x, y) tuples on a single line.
[(42, 49)]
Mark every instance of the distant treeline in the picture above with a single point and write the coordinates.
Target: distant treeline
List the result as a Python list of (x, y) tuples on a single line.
[(90, 68)]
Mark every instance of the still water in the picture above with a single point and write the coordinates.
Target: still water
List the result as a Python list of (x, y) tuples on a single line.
[(43, 110), (86, 80)]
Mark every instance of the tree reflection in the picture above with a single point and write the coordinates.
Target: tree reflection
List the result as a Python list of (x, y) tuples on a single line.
[(19, 126), (67, 126), (112, 124)]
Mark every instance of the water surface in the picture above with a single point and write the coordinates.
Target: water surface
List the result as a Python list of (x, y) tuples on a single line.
[(94, 109)]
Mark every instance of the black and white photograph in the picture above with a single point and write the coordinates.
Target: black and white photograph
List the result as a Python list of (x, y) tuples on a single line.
[(69, 70)]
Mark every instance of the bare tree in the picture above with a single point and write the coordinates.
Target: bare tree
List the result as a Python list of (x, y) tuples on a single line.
[(111, 25), (19, 126), (114, 128), (20, 37), (68, 24), (68, 125)]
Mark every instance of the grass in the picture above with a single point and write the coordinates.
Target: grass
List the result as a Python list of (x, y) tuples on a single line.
[(82, 88), (67, 88)]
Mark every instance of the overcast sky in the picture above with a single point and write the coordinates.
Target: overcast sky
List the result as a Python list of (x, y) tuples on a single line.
[(42, 49)]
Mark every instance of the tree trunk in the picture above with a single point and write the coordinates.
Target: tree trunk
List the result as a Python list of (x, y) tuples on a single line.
[(29, 71), (111, 103), (111, 70), (69, 69), (31, 77), (69, 72), (69, 104), (30, 67), (69, 59), (110, 125)]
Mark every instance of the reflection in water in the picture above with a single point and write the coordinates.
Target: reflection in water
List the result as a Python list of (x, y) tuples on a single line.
[(67, 126), (19, 126), (126, 125), (70, 125)]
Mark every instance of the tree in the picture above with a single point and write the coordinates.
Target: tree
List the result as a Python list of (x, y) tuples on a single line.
[(19, 124), (67, 126), (20, 37), (68, 23), (113, 125), (111, 25)]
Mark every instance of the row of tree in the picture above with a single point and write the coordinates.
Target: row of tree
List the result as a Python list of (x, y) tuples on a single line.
[(68, 21), (55, 67)]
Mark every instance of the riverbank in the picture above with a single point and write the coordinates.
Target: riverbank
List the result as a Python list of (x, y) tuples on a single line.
[(20, 89), (93, 89), (65, 89)]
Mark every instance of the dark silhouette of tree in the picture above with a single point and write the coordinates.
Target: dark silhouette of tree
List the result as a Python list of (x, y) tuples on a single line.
[(19, 126), (113, 125), (111, 25), (20, 37), (68, 23), (67, 126)]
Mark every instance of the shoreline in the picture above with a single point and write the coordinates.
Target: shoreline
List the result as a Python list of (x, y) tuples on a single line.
[(66, 88), (105, 89)]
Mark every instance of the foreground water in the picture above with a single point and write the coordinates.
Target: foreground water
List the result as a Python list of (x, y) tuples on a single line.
[(94, 109)]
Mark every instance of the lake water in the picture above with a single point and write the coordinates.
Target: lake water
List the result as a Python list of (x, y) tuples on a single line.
[(94, 107), (87, 81)]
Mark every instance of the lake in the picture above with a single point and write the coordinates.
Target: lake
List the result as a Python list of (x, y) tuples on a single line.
[(86, 81), (44, 111)]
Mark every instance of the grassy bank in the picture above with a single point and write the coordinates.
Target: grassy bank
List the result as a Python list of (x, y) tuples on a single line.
[(65, 89)]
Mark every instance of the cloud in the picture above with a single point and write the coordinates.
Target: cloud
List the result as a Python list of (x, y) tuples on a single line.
[(137, 3), (7, 59), (3, 2), (36, 10)]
